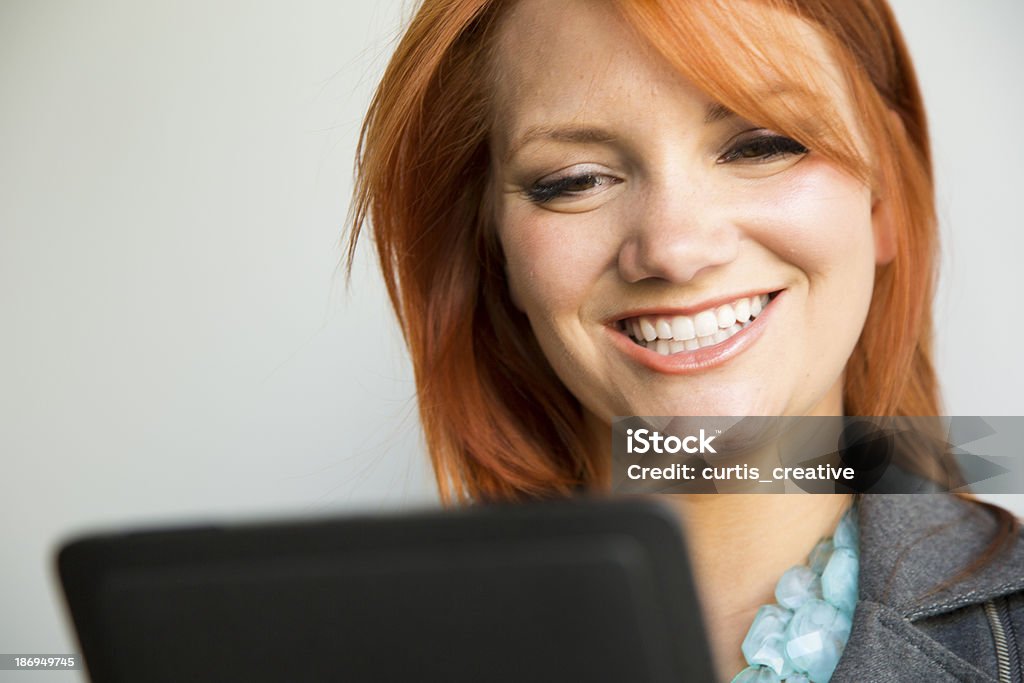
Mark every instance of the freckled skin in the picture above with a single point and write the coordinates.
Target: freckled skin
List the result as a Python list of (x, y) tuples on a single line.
[(674, 229)]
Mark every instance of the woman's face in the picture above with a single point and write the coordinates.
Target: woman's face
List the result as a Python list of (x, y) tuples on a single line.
[(630, 206)]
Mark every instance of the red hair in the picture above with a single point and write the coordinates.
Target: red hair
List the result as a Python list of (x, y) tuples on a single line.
[(498, 422)]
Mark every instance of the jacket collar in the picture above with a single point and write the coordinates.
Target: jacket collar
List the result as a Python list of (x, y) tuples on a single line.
[(885, 647), (912, 543), (909, 544)]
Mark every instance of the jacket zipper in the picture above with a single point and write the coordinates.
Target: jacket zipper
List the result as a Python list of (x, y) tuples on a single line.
[(1007, 660)]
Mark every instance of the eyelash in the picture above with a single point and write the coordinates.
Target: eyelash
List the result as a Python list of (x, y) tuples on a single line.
[(542, 193), (766, 147)]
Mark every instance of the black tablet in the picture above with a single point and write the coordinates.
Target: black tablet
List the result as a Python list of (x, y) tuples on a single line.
[(568, 591)]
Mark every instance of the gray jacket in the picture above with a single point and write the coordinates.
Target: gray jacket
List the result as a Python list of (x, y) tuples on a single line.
[(972, 630)]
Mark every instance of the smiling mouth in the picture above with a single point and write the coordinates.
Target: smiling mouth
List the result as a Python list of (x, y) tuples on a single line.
[(672, 334)]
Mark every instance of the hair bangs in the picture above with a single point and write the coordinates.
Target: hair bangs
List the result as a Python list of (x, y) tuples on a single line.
[(759, 63)]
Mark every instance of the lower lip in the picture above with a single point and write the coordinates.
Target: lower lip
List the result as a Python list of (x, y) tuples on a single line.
[(698, 360)]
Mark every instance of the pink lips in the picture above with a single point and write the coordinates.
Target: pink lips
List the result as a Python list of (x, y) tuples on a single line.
[(698, 360)]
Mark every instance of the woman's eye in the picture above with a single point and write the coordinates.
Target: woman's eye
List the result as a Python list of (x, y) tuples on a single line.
[(764, 147), (567, 186)]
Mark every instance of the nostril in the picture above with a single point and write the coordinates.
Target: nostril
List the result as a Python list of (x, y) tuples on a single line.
[(673, 250)]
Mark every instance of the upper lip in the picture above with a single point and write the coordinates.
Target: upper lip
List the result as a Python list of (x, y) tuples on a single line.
[(689, 309)]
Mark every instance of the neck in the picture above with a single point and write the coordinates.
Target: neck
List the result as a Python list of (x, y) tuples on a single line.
[(739, 545)]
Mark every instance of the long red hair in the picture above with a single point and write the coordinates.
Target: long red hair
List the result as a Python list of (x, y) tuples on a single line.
[(498, 422)]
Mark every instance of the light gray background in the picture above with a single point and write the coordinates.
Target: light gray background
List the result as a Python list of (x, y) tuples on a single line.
[(177, 342)]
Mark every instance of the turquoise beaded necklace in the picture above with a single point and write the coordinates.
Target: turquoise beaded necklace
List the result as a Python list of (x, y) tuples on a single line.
[(801, 637)]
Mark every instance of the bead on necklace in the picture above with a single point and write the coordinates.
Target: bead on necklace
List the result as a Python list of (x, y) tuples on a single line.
[(801, 637)]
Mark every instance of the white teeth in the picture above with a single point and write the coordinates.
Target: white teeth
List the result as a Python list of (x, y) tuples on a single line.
[(682, 327), (705, 323), (673, 334), (742, 310), (647, 330), (726, 316)]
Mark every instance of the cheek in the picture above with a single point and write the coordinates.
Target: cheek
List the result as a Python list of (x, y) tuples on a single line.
[(552, 260), (822, 225), (822, 228)]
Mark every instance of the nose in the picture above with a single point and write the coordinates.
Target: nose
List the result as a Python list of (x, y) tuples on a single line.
[(674, 236)]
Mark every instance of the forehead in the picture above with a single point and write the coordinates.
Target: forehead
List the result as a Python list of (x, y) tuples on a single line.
[(576, 60), (569, 41), (567, 61)]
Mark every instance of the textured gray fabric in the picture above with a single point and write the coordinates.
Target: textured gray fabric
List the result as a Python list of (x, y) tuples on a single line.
[(904, 629), (1015, 608), (967, 633)]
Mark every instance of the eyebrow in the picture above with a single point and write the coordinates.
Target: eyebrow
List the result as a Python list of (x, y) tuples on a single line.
[(717, 112), (714, 113), (570, 133)]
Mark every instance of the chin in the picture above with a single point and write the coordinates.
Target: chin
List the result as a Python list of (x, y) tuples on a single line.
[(724, 406)]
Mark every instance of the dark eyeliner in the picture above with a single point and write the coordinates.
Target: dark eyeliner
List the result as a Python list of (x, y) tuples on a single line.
[(545, 192), (763, 148), (542, 192)]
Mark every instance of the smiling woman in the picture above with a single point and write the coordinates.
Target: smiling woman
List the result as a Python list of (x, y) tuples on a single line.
[(592, 166), (594, 209), (674, 211)]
